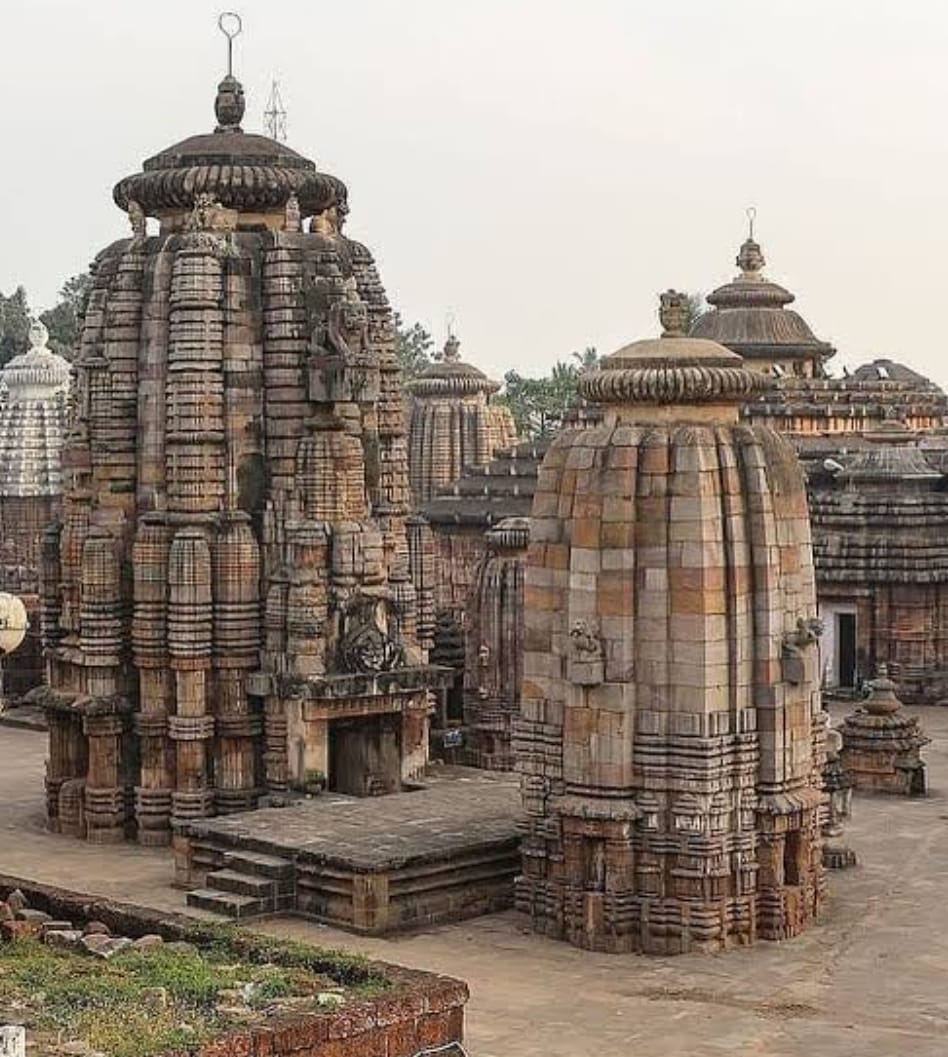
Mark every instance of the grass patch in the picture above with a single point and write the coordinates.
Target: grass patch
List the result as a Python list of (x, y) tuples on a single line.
[(141, 1003)]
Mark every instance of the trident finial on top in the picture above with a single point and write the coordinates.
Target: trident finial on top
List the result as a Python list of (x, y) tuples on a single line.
[(751, 212), (231, 25)]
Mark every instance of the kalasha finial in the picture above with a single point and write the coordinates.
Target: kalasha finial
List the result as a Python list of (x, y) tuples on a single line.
[(673, 313), (452, 347), (750, 259), (229, 104)]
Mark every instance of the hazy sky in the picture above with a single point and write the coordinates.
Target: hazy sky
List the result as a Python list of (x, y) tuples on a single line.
[(538, 168)]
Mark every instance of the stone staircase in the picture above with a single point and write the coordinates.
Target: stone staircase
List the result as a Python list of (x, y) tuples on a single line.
[(249, 884)]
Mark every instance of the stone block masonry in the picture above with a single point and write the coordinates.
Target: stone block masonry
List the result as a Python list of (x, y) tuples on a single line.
[(670, 740)]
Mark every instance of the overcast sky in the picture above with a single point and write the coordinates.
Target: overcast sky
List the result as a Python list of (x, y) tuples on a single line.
[(540, 169)]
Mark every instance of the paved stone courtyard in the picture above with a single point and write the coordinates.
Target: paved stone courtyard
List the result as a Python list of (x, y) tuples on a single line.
[(868, 981)]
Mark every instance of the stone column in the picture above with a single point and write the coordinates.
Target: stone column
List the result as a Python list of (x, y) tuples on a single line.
[(190, 624), (236, 653), (156, 692), (105, 795)]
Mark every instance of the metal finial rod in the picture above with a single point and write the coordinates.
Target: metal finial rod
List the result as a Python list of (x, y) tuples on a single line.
[(751, 212), (449, 320), (231, 25)]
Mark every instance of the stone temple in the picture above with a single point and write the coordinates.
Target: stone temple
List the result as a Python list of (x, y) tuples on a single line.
[(453, 422), (671, 736), (228, 604), (34, 389)]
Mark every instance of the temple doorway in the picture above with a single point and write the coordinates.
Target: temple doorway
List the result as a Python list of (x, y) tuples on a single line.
[(838, 651), (846, 648), (365, 755)]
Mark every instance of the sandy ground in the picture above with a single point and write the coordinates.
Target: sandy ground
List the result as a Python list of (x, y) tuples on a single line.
[(870, 981)]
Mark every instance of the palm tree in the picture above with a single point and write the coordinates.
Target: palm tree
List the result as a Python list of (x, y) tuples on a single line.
[(587, 360)]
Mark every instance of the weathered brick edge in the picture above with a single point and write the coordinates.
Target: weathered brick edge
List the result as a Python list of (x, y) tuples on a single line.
[(423, 1010)]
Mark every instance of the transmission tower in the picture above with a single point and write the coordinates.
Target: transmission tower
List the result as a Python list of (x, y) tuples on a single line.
[(275, 115)]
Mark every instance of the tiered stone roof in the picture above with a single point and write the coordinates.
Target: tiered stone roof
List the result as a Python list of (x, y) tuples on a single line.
[(750, 316)]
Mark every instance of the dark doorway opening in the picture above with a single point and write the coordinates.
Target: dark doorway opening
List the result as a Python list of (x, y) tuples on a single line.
[(365, 755), (792, 853), (846, 648)]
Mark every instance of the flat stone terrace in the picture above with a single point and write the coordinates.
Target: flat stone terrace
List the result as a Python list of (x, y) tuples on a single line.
[(442, 853), (459, 809)]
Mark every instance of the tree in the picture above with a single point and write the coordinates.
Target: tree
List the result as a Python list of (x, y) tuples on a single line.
[(412, 346), (14, 324), (539, 405), (696, 309), (587, 360), (64, 319)]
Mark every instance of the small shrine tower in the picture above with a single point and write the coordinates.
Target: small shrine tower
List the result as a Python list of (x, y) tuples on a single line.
[(671, 736), (454, 424)]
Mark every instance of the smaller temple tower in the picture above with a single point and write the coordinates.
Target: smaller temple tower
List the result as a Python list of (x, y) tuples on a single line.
[(34, 388), (749, 315), (493, 669), (671, 736), (453, 423)]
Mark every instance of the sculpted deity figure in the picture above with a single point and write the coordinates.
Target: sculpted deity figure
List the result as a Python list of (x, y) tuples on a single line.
[(325, 223), (137, 219), (586, 645), (293, 220)]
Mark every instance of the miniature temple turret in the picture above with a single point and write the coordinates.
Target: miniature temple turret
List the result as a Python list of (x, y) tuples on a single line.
[(34, 388), (670, 743), (493, 669), (750, 316), (231, 607), (454, 424), (882, 745)]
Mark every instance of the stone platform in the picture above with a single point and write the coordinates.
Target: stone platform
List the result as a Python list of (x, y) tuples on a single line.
[(447, 851)]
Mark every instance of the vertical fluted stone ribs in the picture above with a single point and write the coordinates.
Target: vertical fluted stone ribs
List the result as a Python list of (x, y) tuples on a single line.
[(661, 697), (194, 393)]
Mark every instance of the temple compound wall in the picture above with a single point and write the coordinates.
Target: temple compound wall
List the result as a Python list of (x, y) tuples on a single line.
[(671, 735), (228, 605)]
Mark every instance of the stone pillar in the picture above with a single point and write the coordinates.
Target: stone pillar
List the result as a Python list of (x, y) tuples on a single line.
[(105, 795), (190, 628), (236, 652), (155, 691)]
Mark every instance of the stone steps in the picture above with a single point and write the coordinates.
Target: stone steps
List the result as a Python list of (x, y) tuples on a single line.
[(242, 884), (249, 862), (227, 904), (249, 884)]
